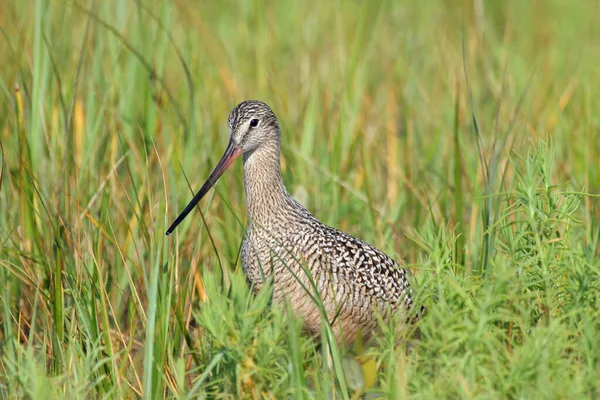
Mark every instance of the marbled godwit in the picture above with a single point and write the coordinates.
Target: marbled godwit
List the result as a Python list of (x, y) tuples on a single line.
[(287, 243)]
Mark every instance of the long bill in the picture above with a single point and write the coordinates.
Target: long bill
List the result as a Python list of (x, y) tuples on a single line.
[(233, 151)]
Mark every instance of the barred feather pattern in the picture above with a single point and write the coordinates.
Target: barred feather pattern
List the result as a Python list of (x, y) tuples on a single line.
[(315, 262)]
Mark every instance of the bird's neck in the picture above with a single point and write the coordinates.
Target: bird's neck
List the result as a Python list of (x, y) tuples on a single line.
[(266, 195)]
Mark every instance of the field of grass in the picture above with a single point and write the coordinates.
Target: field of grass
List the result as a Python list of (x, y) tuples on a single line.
[(462, 137)]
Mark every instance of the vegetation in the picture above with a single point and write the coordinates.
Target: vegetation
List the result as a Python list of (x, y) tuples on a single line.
[(460, 136)]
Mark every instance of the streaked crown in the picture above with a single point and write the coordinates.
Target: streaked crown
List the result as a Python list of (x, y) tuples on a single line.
[(252, 123)]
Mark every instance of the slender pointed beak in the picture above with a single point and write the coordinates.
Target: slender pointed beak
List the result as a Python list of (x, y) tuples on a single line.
[(233, 151)]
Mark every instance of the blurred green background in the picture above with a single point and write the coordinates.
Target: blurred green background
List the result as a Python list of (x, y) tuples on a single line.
[(459, 136)]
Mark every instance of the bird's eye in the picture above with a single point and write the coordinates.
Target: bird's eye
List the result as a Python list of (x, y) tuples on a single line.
[(254, 123)]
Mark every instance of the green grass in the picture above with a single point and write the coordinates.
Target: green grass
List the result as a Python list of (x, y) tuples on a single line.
[(461, 136)]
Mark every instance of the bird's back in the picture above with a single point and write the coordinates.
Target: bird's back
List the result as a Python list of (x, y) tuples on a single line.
[(312, 263)]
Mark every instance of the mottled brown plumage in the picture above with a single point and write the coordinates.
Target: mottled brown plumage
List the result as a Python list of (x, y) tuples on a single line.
[(286, 243)]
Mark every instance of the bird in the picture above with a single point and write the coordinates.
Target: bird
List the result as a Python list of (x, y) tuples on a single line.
[(313, 267)]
